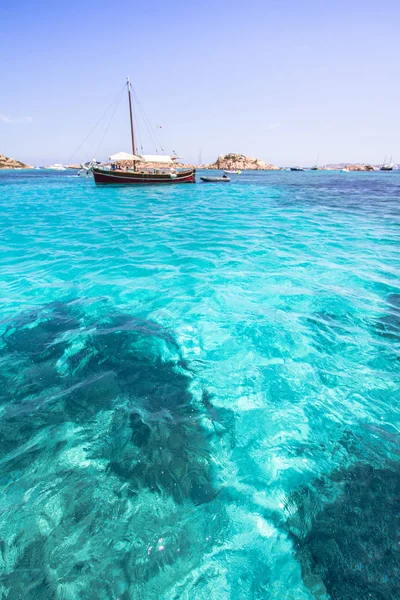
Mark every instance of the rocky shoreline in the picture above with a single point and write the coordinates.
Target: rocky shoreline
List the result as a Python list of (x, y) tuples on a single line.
[(349, 167), (11, 163), (240, 162)]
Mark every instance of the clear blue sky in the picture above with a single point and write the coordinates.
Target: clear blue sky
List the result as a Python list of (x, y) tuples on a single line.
[(278, 80)]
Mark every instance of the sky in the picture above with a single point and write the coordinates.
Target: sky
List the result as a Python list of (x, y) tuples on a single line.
[(284, 81)]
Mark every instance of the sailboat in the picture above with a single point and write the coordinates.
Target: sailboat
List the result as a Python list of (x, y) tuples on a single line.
[(315, 167), (387, 166), (147, 169)]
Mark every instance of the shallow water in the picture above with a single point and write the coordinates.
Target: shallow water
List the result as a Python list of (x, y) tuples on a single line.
[(199, 388)]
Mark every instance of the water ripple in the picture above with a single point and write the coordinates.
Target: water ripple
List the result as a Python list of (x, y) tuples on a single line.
[(243, 342)]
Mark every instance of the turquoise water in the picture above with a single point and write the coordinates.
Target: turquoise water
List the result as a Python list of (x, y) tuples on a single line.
[(199, 388)]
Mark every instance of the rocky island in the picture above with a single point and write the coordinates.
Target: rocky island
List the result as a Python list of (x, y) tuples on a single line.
[(349, 167), (361, 168), (11, 163), (239, 162)]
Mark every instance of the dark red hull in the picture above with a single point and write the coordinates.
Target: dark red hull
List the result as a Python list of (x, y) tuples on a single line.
[(137, 178)]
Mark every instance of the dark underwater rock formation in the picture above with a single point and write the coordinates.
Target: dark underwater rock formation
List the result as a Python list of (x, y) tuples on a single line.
[(104, 457), (389, 325), (346, 532)]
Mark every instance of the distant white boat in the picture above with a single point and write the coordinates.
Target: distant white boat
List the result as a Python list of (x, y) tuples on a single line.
[(56, 167), (345, 170), (232, 172)]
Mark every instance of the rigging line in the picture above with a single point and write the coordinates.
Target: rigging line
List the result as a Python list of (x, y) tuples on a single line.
[(156, 136), (147, 122), (109, 123), (151, 128), (147, 127), (94, 127)]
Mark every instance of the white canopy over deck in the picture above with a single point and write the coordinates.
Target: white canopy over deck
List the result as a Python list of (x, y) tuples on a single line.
[(156, 158), (124, 156)]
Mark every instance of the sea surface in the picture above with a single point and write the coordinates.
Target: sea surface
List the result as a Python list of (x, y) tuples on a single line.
[(199, 388)]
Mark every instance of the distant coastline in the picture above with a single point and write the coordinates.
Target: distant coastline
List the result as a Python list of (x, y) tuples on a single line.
[(228, 162), (239, 162)]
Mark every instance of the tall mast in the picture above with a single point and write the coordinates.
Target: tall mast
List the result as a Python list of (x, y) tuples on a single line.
[(129, 85)]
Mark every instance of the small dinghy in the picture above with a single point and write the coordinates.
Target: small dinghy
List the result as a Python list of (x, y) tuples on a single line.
[(224, 178)]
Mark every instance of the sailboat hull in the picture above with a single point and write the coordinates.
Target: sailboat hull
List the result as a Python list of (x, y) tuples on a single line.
[(102, 176)]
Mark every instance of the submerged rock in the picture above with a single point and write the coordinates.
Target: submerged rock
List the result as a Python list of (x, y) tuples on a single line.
[(106, 462), (389, 325), (346, 532)]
